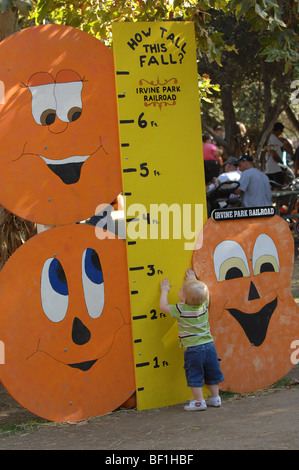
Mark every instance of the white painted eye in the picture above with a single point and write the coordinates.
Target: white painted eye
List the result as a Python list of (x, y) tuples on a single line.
[(230, 261), (54, 290), (93, 283), (265, 256), (43, 104), (69, 102)]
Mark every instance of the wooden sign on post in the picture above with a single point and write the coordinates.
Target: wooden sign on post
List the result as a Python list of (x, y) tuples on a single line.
[(163, 187)]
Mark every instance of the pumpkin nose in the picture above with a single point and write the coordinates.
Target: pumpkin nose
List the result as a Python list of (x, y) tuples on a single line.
[(57, 126), (80, 333), (253, 293)]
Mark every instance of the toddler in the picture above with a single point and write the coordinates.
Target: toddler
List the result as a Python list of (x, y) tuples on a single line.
[(201, 360)]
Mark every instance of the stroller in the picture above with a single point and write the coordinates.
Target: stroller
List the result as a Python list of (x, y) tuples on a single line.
[(286, 199), (223, 196)]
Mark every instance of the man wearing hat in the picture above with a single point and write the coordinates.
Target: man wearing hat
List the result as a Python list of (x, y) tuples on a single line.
[(230, 173), (254, 186), (230, 176), (276, 144)]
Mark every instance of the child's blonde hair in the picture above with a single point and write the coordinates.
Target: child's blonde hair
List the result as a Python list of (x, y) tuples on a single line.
[(196, 292)]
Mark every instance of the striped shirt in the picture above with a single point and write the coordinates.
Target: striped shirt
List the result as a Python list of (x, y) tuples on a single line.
[(193, 323)]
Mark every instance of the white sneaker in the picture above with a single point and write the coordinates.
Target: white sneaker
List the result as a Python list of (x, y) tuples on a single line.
[(195, 405), (214, 401)]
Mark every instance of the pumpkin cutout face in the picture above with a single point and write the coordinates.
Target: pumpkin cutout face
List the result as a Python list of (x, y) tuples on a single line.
[(59, 128), (67, 328), (247, 266)]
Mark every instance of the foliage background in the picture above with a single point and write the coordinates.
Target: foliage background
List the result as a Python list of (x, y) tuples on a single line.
[(248, 54)]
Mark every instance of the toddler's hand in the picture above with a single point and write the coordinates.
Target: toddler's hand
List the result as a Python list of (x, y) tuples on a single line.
[(190, 274), (165, 285)]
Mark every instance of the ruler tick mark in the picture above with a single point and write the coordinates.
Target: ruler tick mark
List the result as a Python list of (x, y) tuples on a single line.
[(129, 170), (143, 364), (133, 219), (127, 121), (136, 268), (139, 317)]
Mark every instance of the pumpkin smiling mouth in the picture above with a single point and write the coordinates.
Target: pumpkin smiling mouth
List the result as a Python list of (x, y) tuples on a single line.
[(255, 325), (68, 169), (84, 366)]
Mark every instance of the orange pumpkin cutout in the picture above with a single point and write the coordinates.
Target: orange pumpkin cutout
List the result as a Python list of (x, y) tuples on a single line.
[(58, 122), (247, 265), (66, 327)]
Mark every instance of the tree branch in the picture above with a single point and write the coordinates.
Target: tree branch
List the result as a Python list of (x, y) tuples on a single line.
[(291, 115), (216, 136), (270, 119)]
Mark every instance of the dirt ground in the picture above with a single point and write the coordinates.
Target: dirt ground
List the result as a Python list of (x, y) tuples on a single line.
[(266, 420)]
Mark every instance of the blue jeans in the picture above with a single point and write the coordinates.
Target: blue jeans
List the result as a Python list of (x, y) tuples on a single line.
[(202, 365)]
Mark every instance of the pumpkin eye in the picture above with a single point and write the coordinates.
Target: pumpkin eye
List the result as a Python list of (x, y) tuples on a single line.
[(233, 273), (54, 290), (93, 283), (265, 256), (68, 99), (48, 117), (232, 268), (230, 261), (43, 104), (74, 113), (267, 267)]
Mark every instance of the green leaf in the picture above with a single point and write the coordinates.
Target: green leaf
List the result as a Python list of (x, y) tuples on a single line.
[(262, 13), (278, 19), (272, 3), (245, 6)]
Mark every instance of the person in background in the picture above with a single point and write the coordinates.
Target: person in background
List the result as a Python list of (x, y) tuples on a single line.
[(254, 186), (273, 158), (296, 161), (212, 158), (219, 130), (230, 173), (226, 180)]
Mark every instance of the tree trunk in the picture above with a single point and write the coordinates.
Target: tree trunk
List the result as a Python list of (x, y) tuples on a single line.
[(8, 22), (291, 116), (271, 112), (231, 128), (270, 119), (217, 138)]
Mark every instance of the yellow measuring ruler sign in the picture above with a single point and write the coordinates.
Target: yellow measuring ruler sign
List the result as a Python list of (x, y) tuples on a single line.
[(163, 187)]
